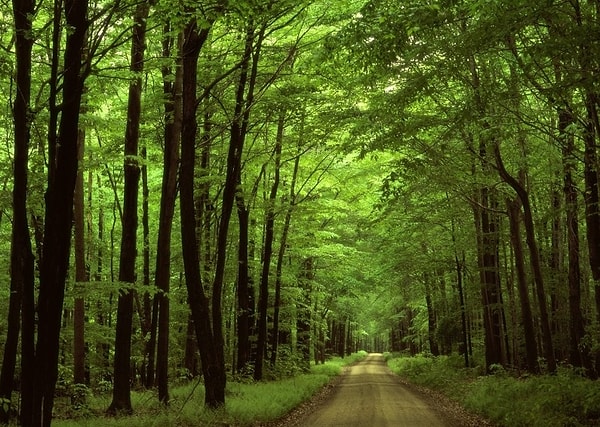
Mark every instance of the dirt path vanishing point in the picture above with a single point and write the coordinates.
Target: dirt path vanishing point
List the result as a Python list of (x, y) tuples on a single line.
[(371, 395)]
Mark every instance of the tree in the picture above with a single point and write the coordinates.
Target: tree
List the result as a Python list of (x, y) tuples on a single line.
[(22, 263), (57, 223), (121, 401)]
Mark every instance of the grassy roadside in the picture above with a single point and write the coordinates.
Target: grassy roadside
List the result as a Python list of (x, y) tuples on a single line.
[(564, 399), (246, 403)]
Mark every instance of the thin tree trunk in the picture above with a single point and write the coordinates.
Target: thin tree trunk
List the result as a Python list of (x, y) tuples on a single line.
[(81, 275), (579, 351), (121, 400), (268, 244), (280, 256), (431, 318), (167, 211)]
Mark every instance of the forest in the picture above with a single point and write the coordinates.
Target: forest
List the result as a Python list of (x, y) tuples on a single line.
[(234, 191)]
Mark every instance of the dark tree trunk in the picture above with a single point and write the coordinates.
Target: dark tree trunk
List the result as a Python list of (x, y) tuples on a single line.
[(21, 255), (243, 291), (146, 311), (590, 159), (121, 401), (211, 356), (431, 319), (167, 211), (238, 132), (58, 221), (534, 256), (268, 244), (190, 359), (579, 352), (531, 356), (303, 321), (486, 225), (81, 276), (280, 255)]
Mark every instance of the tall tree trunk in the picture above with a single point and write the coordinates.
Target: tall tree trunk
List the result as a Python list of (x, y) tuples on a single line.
[(534, 256), (211, 356), (21, 255), (81, 275), (145, 311), (263, 296), (280, 255), (486, 225), (243, 291), (531, 356), (579, 351), (303, 321), (487, 232), (590, 159), (167, 211), (121, 400), (58, 220)]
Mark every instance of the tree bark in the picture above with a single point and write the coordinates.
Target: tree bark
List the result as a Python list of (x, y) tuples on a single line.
[(531, 356), (211, 356), (579, 352), (280, 255), (167, 211), (121, 401), (81, 275), (21, 255), (58, 220), (263, 296), (534, 257)]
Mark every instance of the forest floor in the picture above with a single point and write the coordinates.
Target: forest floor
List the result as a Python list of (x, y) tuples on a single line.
[(368, 393)]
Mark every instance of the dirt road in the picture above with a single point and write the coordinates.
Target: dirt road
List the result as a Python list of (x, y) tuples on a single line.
[(370, 395)]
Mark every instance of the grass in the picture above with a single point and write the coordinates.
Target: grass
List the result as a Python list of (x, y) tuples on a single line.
[(245, 403), (564, 399)]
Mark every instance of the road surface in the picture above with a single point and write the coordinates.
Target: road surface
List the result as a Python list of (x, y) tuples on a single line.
[(370, 395)]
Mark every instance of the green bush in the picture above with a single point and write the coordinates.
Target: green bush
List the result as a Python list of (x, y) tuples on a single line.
[(565, 399)]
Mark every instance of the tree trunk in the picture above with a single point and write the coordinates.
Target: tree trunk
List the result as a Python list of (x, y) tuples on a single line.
[(590, 159), (81, 276), (243, 290), (579, 351), (58, 220), (534, 256), (263, 297), (280, 255), (121, 401), (531, 356), (21, 255), (211, 356), (486, 226), (431, 319), (304, 315), (167, 211)]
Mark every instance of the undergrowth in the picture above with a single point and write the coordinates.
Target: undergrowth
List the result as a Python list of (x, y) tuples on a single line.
[(563, 399), (246, 402)]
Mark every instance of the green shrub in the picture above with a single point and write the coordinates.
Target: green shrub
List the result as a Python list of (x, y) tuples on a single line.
[(565, 399)]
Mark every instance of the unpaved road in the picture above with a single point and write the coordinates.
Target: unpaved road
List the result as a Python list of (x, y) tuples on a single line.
[(370, 395)]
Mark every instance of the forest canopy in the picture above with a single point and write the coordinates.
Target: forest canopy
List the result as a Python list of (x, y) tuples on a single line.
[(237, 189)]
